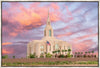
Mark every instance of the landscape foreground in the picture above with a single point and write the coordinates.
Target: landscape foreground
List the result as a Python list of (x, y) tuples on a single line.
[(50, 62)]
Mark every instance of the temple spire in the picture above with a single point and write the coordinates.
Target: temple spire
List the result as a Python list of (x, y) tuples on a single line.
[(48, 12), (48, 20)]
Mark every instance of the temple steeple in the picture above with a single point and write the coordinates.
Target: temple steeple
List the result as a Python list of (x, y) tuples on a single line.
[(48, 32), (48, 20)]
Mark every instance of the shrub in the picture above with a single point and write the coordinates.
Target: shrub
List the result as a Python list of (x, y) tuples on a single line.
[(48, 55), (71, 55), (78, 55), (56, 55), (66, 62), (5, 56), (68, 55), (74, 55), (32, 55), (41, 56), (61, 56), (95, 56), (13, 56), (89, 56), (84, 56)]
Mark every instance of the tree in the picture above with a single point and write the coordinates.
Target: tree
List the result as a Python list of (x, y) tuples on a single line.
[(68, 55), (53, 52), (89, 52), (5, 57), (84, 56), (48, 55), (71, 55), (75, 54), (95, 56), (61, 56), (69, 50), (33, 55), (42, 55), (92, 53), (63, 51), (81, 54), (13, 56), (85, 52), (58, 51), (78, 54)]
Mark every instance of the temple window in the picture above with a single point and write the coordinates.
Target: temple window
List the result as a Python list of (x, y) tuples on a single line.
[(68, 47), (42, 52), (49, 32), (45, 33), (42, 47), (56, 47)]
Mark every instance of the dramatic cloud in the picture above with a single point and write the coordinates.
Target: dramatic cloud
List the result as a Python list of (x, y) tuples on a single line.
[(7, 51), (74, 22)]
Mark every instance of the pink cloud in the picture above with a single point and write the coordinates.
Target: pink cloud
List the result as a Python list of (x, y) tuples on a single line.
[(85, 36), (82, 46), (6, 51), (55, 6), (62, 35)]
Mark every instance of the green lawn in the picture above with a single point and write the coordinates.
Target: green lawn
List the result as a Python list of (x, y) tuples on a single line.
[(49, 63)]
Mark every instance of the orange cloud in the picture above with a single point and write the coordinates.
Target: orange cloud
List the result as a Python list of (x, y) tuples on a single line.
[(28, 18), (62, 35), (7, 43), (5, 51), (13, 34)]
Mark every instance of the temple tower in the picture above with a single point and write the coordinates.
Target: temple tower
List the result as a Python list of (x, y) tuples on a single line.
[(48, 31)]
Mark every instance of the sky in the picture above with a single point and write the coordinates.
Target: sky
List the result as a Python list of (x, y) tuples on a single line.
[(73, 22)]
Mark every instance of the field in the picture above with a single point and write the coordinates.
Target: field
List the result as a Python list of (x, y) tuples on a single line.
[(51, 62)]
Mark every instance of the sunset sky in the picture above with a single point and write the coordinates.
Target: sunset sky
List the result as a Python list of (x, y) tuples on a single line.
[(74, 22)]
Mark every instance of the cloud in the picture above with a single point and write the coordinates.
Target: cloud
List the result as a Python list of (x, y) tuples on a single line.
[(84, 37), (6, 51), (55, 6), (7, 43), (62, 35), (23, 21), (13, 34), (20, 18), (82, 46)]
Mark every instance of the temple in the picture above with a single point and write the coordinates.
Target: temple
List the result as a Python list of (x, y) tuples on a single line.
[(48, 44)]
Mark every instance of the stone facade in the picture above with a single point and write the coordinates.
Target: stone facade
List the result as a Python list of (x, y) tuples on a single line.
[(40, 46)]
